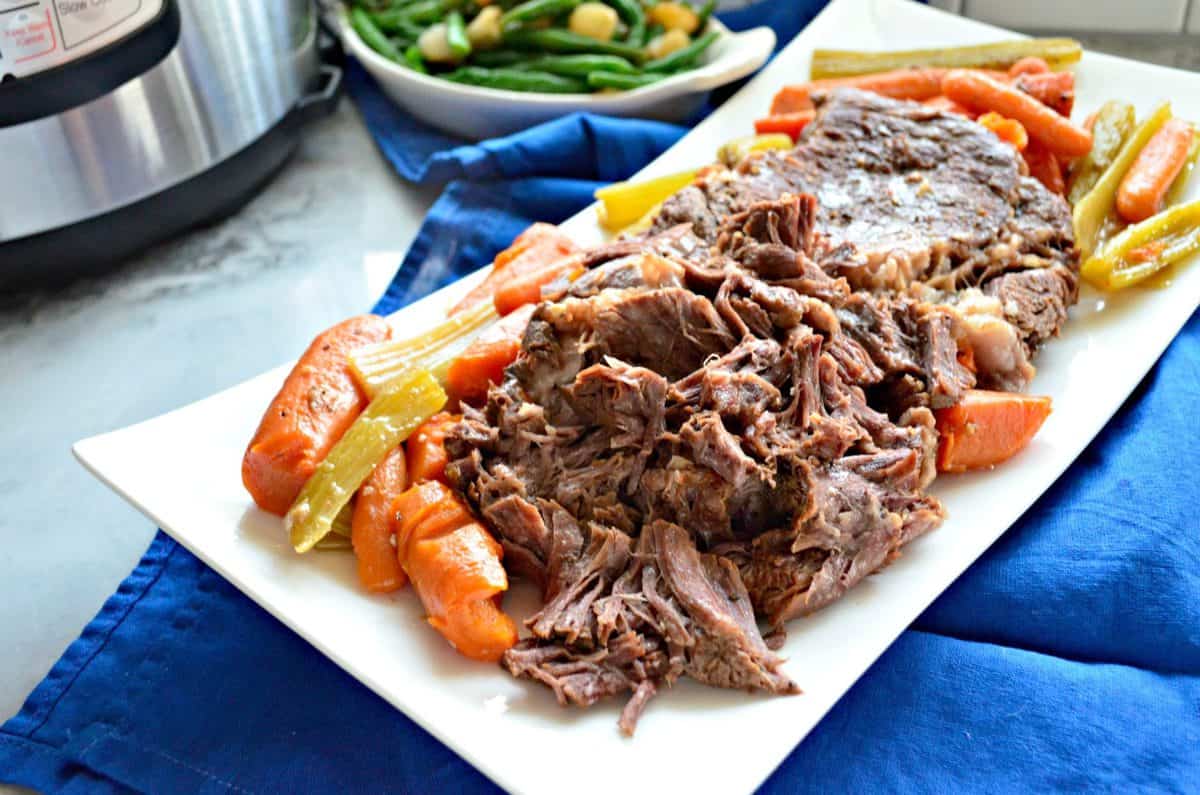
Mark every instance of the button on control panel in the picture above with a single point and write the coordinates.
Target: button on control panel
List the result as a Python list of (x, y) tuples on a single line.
[(36, 35)]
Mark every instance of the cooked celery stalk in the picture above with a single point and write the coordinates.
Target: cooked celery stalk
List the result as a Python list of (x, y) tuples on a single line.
[(1093, 209), (735, 151), (1179, 186), (333, 541), (1114, 123), (1144, 249), (374, 366), (641, 224), (997, 55), (341, 523), (389, 418), (623, 203)]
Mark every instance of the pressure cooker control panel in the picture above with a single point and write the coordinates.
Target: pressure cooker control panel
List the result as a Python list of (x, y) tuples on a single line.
[(36, 35)]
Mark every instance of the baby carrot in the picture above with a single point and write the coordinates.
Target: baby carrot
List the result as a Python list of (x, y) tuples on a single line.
[(1009, 130), (371, 529), (791, 124), (483, 361), (1044, 167), (948, 105), (981, 91), (1146, 183), (427, 448), (918, 84), (1055, 90), (1029, 65)]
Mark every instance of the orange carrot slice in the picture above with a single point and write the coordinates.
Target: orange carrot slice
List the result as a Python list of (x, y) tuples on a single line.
[(371, 531), (1146, 183), (1009, 130), (427, 448), (986, 428), (791, 124)]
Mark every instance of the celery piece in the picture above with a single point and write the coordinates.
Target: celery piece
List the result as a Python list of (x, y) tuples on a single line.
[(1114, 122), (1145, 248), (389, 418), (1059, 53), (333, 542), (374, 366), (733, 152), (341, 523), (623, 203), (1092, 210)]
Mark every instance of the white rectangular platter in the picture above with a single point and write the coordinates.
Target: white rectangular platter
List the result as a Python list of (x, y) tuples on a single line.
[(183, 470)]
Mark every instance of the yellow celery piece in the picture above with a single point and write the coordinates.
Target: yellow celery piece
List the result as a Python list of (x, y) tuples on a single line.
[(341, 523), (623, 203), (332, 543), (1091, 211), (1178, 228), (374, 366), (389, 418), (1114, 122), (1059, 53), (733, 152)]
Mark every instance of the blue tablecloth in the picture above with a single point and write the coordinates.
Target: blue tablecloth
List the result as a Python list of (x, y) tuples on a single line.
[(1067, 658)]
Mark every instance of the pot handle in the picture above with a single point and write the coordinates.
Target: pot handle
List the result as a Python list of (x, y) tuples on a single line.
[(323, 100)]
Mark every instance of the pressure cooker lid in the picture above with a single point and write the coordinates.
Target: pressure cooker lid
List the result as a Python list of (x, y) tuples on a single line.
[(57, 54)]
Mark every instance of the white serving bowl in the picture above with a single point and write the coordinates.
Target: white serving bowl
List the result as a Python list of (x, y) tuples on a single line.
[(475, 113)]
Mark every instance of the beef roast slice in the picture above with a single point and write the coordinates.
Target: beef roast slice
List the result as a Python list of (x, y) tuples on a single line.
[(905, 193), (1035, 301)]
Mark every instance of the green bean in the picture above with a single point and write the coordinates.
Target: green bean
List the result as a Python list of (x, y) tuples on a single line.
[(684, 58), (412, 56), (372, 36), (517, 80), (499, 57), (536, 9), (634, 17), (579, 65), (564, 41), (705, 14), (623, 82), (428, 11), (456, 35), (396, 22)]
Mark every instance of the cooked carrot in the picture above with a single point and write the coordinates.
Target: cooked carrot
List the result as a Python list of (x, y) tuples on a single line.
[(1009, 130), (1090, 121), (986, 93), (1029, 65), (532, 250), (1055, 90), (918, 84), (482, 363), (371, 531), (790, 124), (316, 404), (1158, 164), (455, 568), (944, 103), (526, 288), (986, 428), (1045, 168), (427, 448)]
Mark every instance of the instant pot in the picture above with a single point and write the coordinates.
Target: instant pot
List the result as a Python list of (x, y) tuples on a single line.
[(123, 122)]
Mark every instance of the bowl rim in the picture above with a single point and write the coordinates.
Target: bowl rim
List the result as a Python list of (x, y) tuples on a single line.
[(669, 86)]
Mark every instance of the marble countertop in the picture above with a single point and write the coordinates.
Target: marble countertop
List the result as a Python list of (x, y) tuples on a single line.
[(183, 321)]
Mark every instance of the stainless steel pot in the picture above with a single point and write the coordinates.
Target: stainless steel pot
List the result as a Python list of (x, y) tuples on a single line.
[(125, 121)]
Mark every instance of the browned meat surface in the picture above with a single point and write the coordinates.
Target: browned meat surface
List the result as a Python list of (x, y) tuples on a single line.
[(730, 420)]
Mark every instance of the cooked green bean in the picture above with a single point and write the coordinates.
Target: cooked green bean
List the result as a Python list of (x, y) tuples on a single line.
[(684, 58), (634, 17), (456, 34), (625, 82), (517, 80), (428, 11), (499, 57), (564, 41), (706, 12), (1114, 122), (412, 56), (536, 9), (579, 65), (397, 22), (372, 36)]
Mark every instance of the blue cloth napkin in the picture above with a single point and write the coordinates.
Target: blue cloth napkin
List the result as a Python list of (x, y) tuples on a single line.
[(1067, 658)]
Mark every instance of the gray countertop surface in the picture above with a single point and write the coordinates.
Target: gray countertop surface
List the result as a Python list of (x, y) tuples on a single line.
[(185, 320)]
